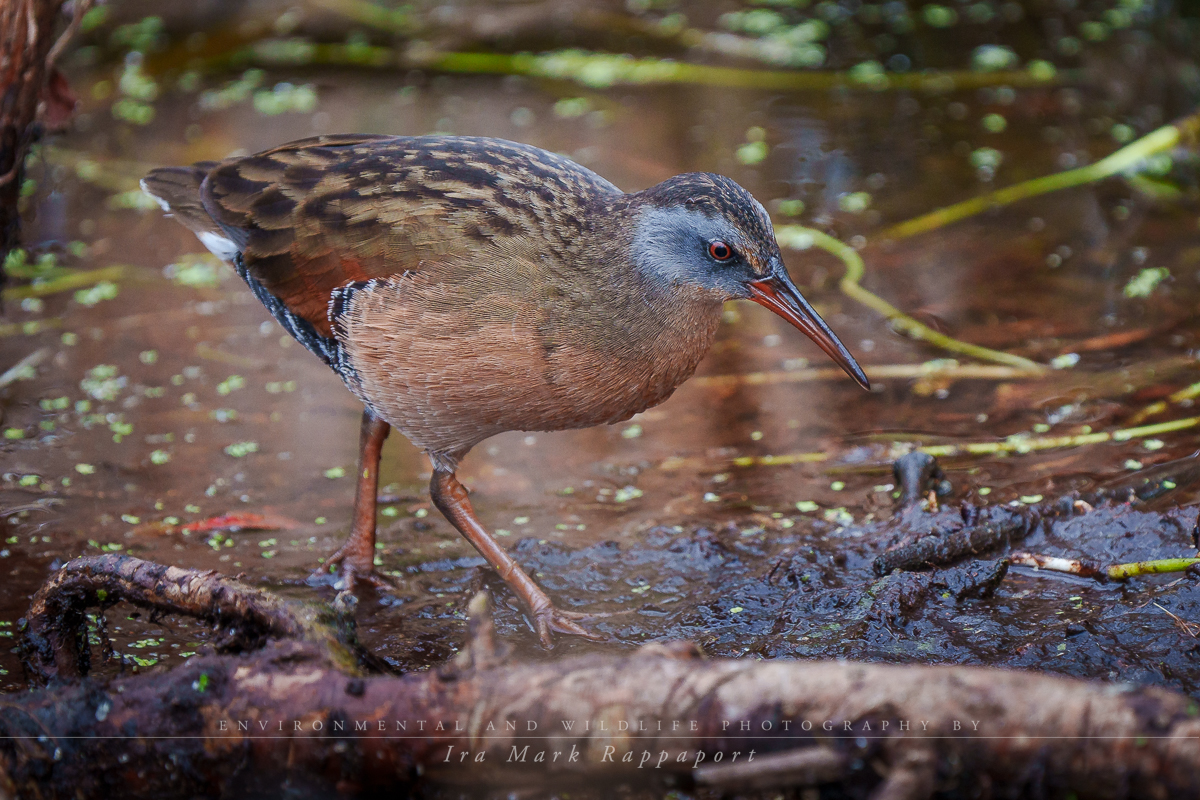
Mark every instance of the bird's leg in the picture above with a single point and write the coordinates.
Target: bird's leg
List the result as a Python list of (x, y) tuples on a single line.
[(357, 555), (451, 499)]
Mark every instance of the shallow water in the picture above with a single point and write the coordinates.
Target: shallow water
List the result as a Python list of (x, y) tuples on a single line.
[(181, 398)]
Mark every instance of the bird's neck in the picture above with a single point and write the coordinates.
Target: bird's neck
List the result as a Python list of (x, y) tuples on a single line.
[(671, 322)]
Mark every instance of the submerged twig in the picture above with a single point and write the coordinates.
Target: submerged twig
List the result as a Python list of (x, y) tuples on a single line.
[(65, 283), (1187, 627), (29, 327), (1029, 444), (1019, 444), (1186, 393), (943, 369), (603, 70), (25, 367), (801, 238), (1128, 158), (606, 69)]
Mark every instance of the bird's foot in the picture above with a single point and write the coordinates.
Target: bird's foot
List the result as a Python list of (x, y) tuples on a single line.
[(356, 567), (550, 620)]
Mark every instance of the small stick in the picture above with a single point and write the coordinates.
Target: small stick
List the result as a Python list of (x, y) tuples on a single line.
[(1182, 624), (1069, 566), (1187, 393), (935, 550), (81, 8), (25, 367)]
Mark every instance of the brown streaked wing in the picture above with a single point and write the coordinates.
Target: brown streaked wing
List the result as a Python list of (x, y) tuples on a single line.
[(316, 214), (254, 200)]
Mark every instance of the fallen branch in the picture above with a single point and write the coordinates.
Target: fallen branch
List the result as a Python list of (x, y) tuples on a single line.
[(289, 718), (995, 527)]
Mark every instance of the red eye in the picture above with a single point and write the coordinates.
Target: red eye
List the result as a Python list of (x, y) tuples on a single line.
[(720, 251)]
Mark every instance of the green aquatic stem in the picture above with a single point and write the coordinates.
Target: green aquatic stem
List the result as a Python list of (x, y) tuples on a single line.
[(801, 238), (1126, 160), (1029, 444), (398, 20), (1019, 444), (1131, 570), (600, 70), (65, 283)]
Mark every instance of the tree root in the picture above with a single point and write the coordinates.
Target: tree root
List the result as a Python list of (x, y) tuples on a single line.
[(296, 717), (56, 632)]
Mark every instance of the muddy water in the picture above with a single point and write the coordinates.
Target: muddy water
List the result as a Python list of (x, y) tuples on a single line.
[(179, 399)]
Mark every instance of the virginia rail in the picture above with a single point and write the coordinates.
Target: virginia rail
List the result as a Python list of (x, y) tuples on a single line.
[(462, 287)]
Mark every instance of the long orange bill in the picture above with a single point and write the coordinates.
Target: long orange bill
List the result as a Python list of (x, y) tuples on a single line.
[(779, 294)]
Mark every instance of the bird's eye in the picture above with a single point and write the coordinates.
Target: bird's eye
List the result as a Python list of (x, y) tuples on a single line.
[(720, 251)]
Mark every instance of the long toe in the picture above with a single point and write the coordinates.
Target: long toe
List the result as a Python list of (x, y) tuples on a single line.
[(352, 576), (352, 571), (381, 582), (551, 620)]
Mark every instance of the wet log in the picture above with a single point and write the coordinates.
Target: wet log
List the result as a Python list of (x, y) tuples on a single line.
[(286, 718)]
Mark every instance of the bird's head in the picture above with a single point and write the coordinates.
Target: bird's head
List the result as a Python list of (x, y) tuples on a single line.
[(703, 231)]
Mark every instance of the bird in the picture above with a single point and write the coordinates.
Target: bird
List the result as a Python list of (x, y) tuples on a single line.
[(462, 287)]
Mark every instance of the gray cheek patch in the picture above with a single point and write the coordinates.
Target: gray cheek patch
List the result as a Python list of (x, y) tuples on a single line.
[(669, 249)]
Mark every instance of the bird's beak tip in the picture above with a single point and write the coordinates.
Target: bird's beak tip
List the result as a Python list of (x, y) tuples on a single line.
[(779, 294)]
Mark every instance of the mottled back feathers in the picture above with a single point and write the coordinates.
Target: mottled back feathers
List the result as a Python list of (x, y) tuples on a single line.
[(318, 213)]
